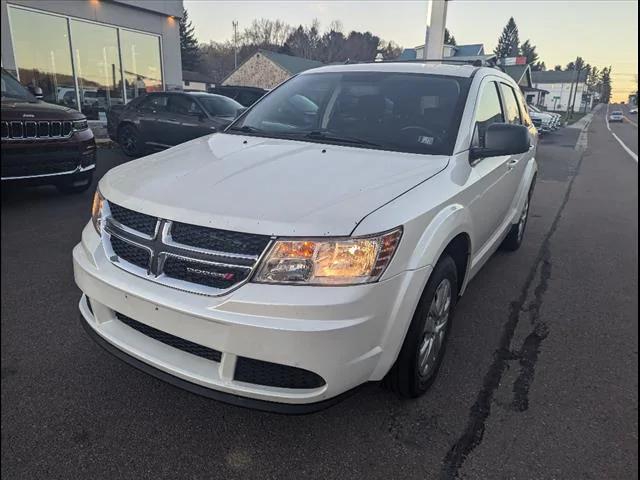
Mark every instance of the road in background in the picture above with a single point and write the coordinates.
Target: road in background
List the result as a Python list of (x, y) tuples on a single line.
[(539, 379), (626, 131)]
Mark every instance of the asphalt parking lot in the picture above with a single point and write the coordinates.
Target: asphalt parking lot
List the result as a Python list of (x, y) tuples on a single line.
[(539, 379)]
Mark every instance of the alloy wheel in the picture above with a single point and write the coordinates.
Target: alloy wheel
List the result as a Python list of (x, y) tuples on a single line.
[(435, 329)]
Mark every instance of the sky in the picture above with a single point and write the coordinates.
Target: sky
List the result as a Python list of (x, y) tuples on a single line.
[(603, 32)]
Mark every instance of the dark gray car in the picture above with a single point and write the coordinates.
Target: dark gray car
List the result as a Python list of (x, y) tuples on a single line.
[(163, 119)]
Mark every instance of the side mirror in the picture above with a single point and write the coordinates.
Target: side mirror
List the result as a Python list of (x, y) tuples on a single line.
[(502, 139), (37, 92), (240, 111)]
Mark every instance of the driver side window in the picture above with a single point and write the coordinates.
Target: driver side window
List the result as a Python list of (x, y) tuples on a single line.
[(489, 111)]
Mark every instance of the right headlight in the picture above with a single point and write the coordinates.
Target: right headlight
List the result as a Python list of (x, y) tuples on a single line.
[(96, 211), (330, 261)]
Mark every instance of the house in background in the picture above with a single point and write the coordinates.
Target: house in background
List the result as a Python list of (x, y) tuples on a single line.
[(460, 52), (266, 69), (561, 86), (196, 81), (518, 69)]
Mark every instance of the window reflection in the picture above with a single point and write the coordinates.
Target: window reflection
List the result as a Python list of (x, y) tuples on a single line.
[(97, 67), (141, 62), (44, 52), (43, 55)]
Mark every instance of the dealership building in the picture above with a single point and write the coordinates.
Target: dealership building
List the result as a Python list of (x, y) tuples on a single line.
[(92, 54)]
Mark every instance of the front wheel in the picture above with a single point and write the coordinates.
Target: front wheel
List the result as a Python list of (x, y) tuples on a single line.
[(129, 140), (423, 349)]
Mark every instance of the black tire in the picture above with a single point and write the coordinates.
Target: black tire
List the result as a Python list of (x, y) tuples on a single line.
[(76, 184), (405, 377), (129, 141), (514, 238)]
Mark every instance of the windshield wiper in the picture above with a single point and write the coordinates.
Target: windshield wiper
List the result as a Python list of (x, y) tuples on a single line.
[(245, 129), (331, 137)]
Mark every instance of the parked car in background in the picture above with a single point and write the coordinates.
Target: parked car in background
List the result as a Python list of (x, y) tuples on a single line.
[(545, 122), (616, 116), (633, 111), (164, 119), (321, 241), (43, 143), (550, 120), (246, 96)]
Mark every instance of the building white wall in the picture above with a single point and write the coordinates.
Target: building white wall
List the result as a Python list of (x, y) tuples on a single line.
[(200, 86), (562, 91)]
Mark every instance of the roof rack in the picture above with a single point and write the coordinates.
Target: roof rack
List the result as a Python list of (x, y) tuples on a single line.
[(478, 62)]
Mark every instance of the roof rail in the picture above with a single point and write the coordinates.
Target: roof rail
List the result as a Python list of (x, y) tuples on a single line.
[(478, 62)]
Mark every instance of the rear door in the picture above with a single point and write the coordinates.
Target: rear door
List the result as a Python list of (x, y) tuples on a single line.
[(516, 163)]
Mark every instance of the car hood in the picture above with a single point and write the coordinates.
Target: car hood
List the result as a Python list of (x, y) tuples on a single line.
[(267, 186), (39, 110)]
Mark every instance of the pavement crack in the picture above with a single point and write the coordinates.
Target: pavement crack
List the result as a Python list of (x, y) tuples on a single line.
[(480, 411)]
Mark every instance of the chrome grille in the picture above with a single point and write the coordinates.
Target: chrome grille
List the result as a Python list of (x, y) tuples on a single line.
[(148, 247), (32, 130)]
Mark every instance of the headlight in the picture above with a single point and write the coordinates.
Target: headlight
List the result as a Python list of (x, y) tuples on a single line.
[(80, 125), (96, 211), (339, 261)]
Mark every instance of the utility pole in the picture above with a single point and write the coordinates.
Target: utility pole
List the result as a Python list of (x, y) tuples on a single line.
[(436, 22), (575, 94), (235, 43)]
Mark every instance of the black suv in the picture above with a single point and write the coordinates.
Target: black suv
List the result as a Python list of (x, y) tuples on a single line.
[(246, 96), (44, 143), (164, 119)]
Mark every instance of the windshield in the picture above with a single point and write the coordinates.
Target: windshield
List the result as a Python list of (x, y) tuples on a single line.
[(617, 112), (219, 106), (404, 112), (12, 89)]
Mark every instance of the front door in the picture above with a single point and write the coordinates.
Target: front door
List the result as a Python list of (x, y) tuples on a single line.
[(492, 194)]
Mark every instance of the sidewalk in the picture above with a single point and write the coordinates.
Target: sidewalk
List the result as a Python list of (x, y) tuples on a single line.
[(586, 120)]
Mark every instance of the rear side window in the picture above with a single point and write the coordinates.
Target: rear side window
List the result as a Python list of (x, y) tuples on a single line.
[(512, 111), (154, 103), (489, 111)]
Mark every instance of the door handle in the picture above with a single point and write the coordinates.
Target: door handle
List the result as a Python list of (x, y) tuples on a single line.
[(511, 164)]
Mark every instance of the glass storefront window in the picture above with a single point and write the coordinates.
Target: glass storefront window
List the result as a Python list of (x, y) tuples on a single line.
[(46, 57), (141, 62), (97, 64), (43, 55)]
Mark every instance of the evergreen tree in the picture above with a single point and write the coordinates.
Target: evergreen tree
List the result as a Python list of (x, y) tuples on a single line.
[(557, 68), (538, 67), (528, 50), (605, 78), (189, 50), (509, 42), (448, 38)]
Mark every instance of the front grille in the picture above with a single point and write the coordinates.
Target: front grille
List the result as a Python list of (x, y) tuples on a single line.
[(139, 257), (211, 275), (32, 130), (199, 259), (134, 220), (270, 374), (218, 240), (171, 340)]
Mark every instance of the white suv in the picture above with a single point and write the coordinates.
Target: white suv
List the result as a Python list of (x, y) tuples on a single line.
[(321, 242)]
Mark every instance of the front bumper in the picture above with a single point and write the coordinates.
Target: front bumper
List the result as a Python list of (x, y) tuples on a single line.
[(346, 335), (50, 160)]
